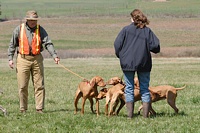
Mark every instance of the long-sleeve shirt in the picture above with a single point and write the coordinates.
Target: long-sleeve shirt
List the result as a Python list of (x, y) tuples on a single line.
[(46, 41), (133, 46)]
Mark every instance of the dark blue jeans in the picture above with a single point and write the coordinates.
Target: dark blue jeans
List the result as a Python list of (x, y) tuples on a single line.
[(144, 79)]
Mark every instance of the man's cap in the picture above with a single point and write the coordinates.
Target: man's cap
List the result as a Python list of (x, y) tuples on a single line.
[(31, 15)]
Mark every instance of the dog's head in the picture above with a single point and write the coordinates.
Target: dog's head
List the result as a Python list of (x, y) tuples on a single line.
[(114, 81), (154, 95), (102, 93), (98, 81)]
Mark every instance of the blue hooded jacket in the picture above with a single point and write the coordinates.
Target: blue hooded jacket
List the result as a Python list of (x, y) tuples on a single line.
[(133, 46)]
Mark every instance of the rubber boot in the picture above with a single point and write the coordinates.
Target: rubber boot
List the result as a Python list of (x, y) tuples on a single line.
[(146, 107), (130, 109)]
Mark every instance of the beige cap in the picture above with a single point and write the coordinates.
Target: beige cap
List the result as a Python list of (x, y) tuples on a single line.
[(31, 15)]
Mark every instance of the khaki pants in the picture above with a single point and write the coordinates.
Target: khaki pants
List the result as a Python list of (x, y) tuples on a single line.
[(26, 66)]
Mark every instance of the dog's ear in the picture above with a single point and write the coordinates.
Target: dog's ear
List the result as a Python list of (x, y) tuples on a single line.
[(120, 80), (121, 92), (92, 82), (105, 90), (156, 92)]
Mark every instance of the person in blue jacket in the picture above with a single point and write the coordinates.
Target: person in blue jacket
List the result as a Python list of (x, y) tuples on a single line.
[(133, 47)]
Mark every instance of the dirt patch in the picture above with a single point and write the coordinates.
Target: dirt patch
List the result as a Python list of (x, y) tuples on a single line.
[(83, 53), (177, 39), (166, 52), (180, 52), (109, 52)]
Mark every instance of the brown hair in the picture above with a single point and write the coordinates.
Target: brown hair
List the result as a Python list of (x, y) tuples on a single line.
[(140, 20)]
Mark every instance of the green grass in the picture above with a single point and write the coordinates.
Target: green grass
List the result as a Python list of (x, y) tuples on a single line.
[(61, 86), (47, 8), (75, 44)]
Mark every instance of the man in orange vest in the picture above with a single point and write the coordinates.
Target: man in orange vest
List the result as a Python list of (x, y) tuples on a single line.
[(28, 39)]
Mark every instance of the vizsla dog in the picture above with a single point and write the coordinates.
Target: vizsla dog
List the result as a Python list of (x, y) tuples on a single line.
[(113, 95), (164, 92), (121, 97), (116, 94), (88, 90), (1, 108)]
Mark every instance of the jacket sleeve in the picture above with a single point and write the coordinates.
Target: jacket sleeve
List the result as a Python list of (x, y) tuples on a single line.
[(14, 43), (46, 41), (154, 42), (119, 42)]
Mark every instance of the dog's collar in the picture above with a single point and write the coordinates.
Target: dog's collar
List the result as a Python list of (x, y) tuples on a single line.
[(87, 82)]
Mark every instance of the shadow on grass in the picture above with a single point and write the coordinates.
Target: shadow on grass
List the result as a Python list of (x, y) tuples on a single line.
[(162, 114), (67, 110), (57, 110)]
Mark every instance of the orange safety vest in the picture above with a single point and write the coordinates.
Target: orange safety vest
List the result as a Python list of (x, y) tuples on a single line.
[(24, 44)]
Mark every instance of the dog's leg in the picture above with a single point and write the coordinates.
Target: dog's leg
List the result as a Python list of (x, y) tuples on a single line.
[(115, 106), (122, 99), (139, 109), (121, 106), (171, 99), (106, 109), (97, 106), (115, 100), (83, 104), (91, 104), (106, 105), (112, 102), (77, 97), (151, 110)]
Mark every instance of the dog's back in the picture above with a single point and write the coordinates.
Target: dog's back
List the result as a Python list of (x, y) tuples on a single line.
[(85, 88), (162, 90), (117, 89)]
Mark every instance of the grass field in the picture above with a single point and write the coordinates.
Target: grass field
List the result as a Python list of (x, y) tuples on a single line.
[(83, 33), (88, 28), (60, 89), (51, 8)]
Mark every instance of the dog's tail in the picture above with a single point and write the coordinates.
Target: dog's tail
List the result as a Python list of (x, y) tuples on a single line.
[(180, 88)]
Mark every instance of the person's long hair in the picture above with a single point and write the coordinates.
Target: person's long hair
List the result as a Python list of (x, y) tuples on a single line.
[(140, 20)]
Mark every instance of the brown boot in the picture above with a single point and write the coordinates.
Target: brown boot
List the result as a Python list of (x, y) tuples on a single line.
[(130, 109), (146, 107)]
